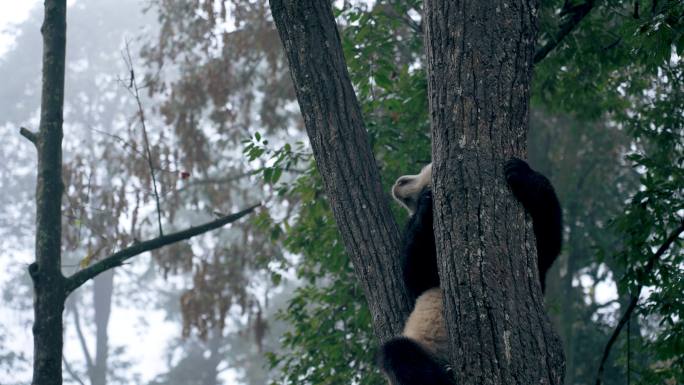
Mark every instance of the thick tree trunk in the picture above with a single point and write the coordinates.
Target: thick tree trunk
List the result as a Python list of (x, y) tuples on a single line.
[(48, 281), (479, 56), (343, 155)]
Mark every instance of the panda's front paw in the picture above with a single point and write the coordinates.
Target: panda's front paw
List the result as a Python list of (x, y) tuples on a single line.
[(516, 166), (516, 171), (519, 177)]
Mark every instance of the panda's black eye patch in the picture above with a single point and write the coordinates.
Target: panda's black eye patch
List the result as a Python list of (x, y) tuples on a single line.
[(402, 182)]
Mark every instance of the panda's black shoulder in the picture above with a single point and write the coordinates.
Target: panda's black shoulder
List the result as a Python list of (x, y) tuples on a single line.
[(419, 250)]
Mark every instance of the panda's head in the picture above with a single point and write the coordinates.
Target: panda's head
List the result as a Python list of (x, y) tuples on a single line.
[(407, 188)]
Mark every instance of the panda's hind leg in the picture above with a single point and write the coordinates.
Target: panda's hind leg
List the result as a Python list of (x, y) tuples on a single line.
[(407, 363)]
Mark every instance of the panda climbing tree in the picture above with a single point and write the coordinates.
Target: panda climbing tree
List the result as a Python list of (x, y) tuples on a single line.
[(479, 58), (420, 355)]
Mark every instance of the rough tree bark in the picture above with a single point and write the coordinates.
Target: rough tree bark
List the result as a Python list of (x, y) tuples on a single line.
[(51, 288), (343, 155), (480, 56)]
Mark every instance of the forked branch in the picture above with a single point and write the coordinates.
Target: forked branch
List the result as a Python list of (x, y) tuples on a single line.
[(135, 91)]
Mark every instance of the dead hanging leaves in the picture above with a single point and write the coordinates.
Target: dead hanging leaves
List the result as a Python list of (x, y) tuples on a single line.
[(228, 56)]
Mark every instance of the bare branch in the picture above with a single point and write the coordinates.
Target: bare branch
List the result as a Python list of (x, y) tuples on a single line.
[(81, 338), (30, 135), (635, 298), (224, 180), (577, 14), (118, 258), (134, 90), (71, 372)]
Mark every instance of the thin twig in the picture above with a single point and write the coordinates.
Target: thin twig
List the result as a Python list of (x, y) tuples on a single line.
[(81, 338), (118, 258), (130, 148), (71, 372), (133, 87), (87, 199), (577, 14), (635, 298)]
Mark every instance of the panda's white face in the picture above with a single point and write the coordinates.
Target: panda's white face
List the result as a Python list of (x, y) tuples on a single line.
[(407, 188)]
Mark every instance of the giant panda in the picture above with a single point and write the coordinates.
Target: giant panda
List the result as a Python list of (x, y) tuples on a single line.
[(420, 355)]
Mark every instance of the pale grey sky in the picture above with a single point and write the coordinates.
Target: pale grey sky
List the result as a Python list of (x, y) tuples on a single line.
[(12, 12)]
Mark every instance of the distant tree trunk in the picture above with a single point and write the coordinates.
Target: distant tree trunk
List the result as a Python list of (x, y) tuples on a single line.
[(479, 65), (211, 364), (103, 290), (48, 281), (343, 155)]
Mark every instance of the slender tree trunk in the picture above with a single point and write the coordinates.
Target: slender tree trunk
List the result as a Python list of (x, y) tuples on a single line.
[(103, 289), (479, 56), (566, 323), (343, 155), (48, 281), (211, 364)]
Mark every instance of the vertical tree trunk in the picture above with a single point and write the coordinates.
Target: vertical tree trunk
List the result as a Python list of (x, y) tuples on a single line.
[(343, 155), (479, 56), (103, 290), (48, 281)]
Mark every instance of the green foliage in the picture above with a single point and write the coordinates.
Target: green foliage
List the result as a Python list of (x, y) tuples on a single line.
[(383, 50), (654, 213), (582, 160), (330, 324), (277, 160), (611, 54), (622, 65)]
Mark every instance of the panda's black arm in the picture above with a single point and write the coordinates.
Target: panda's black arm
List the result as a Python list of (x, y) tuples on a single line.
[(419, 254), (539, 199)]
